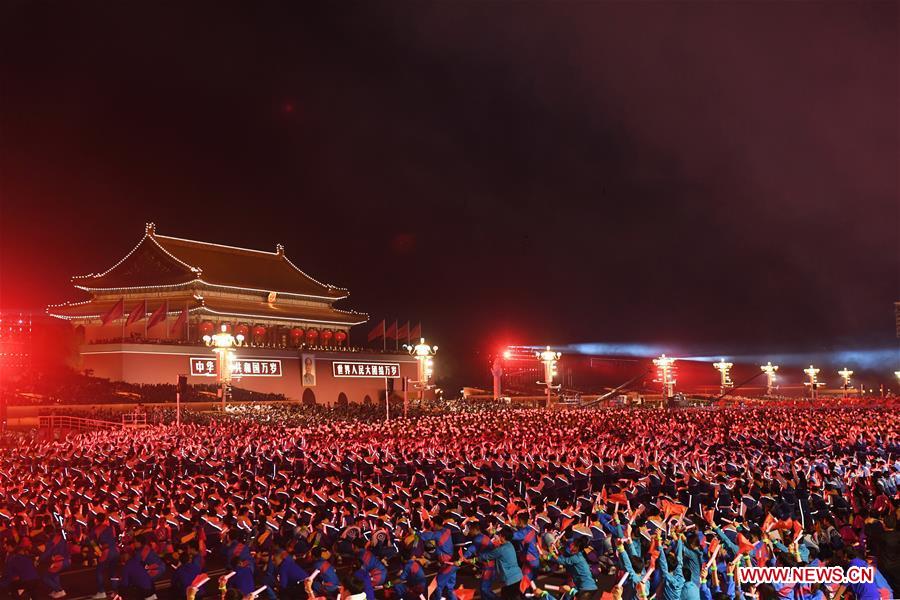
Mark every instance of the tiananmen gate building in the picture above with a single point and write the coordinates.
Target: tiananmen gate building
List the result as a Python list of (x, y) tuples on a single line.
[(144, 320)]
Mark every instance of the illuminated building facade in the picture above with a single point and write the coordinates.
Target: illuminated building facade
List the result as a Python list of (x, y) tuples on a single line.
[(15, 341), (144, 320), (897, 317)]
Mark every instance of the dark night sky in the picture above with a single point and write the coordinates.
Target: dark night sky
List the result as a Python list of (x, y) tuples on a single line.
[(707, 173)]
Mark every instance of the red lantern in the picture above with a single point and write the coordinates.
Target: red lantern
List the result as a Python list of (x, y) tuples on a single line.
[(312, 334), (259, 331), (326, 336), (296, 333), (242, 329), (206, 327), (340, 336)]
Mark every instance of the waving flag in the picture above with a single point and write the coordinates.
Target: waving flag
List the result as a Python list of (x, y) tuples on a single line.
[(618, 498), (137, 313), (117, 310), (671, 509), (158, 315), (180, 321), (377, 331), (403, 332), (745, 546), (713, 548)]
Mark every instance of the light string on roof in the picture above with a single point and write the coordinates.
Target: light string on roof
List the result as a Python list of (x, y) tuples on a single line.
[(150, 232), (279, 251), (206, 284)]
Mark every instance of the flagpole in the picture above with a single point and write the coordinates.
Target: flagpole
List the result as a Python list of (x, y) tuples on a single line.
[(405, 394), (146, 321), (187, 323), (384, 341), (124, 318)]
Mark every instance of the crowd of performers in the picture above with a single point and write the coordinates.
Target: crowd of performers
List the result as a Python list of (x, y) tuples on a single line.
[(511, 503)]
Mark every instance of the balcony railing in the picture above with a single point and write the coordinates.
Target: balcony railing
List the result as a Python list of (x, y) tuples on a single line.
[(132, 419), (67, 423)]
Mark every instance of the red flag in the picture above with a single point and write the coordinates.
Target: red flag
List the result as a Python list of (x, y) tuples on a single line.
[(745, 546), (377, 332), (713, 547), (158, 315), (524, 585), (117, 310), (180, 321), (786, 524), (672, 509), (137, 313), (768, 523), (403, 332), (391, 332), (618, 497), (465, 593), (199, 580), (416, 332), (791, 524)]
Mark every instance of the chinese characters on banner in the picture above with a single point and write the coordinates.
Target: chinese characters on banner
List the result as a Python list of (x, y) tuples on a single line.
[(241, 367), (365, 369)]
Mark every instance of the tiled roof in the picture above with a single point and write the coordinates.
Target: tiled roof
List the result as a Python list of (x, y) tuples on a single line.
[(164, 261), (238, 310)]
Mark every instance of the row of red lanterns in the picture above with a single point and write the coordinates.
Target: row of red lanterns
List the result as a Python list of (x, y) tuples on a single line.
[(296, 333)]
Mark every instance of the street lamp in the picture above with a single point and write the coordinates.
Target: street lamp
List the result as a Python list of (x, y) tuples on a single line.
[(549, 358), (845, 375), (665, 374), (769, 369), (223, 344), (497, 374), (813, 382), (424, 355), (724, 369)]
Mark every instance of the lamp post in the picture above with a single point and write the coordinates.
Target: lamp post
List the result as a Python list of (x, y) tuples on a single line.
[(497, 374), (724, 369), (223, 344), (549, 358), (769, 369), (845, 375), (424, 355), (813, 382), (665, 374)]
